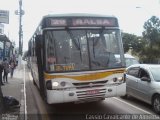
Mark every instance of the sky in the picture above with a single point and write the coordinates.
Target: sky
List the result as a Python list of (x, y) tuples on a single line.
[(131, 13)]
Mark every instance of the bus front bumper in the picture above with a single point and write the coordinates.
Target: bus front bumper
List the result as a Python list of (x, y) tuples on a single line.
[(85, 95)]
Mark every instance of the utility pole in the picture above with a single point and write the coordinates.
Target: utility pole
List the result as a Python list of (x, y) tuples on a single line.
[(20, 12), (20, 27)]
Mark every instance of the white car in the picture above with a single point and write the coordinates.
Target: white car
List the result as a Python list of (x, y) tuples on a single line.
[(143, 83), (129, 59)]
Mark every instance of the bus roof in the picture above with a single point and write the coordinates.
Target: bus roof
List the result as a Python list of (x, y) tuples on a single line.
[(46, 19), (77, 15)]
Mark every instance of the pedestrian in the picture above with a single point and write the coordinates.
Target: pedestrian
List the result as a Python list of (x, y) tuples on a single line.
[(1, 71), (12, 63), (6, 70)]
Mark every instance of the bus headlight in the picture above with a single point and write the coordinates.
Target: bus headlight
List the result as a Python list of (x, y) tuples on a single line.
[(115, 79), (55, 84), (50, 85), (120, 79), (63, 84)]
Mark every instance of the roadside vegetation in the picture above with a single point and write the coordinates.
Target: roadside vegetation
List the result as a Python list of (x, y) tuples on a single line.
[(147, 46)]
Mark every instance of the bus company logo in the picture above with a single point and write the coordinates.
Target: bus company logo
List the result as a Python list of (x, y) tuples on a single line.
[(90, 84)]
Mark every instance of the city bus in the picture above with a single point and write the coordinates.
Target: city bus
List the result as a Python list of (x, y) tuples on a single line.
[(71, 58)]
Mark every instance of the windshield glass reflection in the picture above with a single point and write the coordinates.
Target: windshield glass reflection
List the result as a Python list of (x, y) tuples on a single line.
[(155, 73), (74, 50)]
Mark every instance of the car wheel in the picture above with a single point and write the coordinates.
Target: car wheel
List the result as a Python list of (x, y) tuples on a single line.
[(156, 104)]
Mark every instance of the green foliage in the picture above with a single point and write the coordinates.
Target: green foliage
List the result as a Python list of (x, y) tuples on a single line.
[(152, 30), (145, 47), (151, 35), (132, 42)]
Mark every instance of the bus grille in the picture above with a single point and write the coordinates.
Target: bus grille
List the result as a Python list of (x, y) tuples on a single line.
[(89, 96), (92, 84)]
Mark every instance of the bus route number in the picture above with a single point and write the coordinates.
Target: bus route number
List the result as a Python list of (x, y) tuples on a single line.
[(64, 67)]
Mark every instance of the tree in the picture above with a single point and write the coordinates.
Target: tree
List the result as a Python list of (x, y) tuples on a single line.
[(151, 35), (133, 42), (126, 39), (145, 47)]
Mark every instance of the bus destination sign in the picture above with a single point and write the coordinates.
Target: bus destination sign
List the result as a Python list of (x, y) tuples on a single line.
[(58, 22), (82, 22), (93, 22)]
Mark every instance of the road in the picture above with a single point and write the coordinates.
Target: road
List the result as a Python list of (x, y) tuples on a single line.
[(110, 108)]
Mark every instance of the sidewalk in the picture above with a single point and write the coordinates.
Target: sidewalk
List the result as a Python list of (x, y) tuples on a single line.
[(15, 88)]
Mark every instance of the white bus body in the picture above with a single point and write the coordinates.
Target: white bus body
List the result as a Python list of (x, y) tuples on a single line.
[(72, 58)]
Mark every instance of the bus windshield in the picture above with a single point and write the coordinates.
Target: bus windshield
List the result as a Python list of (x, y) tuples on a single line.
[(81, 49)]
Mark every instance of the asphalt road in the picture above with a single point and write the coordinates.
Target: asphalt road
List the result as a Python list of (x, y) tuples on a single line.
[(108, 109)]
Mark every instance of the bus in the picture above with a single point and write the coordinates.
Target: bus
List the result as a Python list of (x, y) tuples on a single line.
[(71, 58)]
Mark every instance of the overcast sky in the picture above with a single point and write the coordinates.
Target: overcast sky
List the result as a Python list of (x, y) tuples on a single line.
[(131, 19)]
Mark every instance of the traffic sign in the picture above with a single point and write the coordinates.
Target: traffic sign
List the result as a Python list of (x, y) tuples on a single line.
[(4, 16)]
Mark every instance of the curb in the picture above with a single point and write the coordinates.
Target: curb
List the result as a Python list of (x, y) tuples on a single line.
[(22, 104)]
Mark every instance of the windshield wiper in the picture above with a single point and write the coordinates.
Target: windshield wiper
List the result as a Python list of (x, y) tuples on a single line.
[(77, 45), (73, 39)]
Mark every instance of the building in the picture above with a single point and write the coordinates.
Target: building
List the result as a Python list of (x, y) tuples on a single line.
[(6, 47)]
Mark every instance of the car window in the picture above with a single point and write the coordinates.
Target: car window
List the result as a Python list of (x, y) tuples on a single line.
[(143, 73), (155, 73), (133, 71)]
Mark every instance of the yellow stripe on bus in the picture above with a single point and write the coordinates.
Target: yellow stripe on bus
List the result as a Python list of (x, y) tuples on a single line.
[(84, 77)]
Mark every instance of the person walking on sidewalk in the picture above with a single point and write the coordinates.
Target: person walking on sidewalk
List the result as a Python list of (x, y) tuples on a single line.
[(6, 70), (1, 71), (12, 66)]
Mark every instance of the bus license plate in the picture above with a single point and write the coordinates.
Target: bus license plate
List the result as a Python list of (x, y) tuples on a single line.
[(91, 92)]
